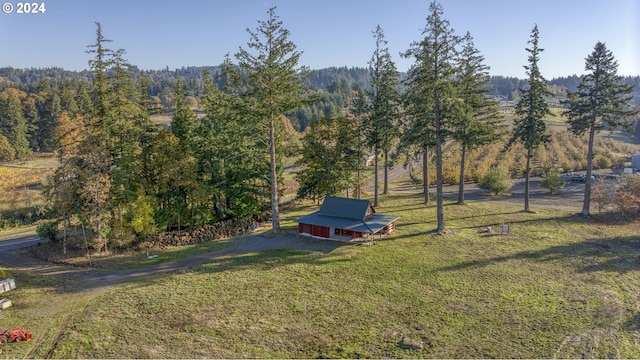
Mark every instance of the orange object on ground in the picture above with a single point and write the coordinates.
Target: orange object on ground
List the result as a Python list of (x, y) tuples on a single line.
[(16, 335)]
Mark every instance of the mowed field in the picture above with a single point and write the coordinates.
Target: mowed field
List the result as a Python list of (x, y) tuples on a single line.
[(556, 286)]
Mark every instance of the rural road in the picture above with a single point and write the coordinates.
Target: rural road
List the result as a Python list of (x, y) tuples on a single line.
[(9, 245)]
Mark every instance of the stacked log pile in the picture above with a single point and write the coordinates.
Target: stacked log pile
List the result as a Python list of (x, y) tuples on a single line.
[(195, 235)]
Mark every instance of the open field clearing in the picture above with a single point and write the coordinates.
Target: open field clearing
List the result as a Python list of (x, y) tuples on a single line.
[(555, 286), (21, 198)]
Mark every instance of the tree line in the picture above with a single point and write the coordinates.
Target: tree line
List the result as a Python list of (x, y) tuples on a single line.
[(44, 94)]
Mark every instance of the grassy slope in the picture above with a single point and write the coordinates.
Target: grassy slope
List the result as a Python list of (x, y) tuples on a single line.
[(555, 286)]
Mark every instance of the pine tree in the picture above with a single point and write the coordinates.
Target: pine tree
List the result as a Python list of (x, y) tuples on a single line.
[(145, 100), (531, 109), (183, 121), (273, 88), (360, 109), (432, 83), (7, 152), (479, 122), (104, 163), (601, 99), (49, 108), (230, 151), (381, 127), (13, 125), (328, 154)]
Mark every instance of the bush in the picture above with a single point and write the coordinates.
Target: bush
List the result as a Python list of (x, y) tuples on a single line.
[(496, 180), (552, 180), (627, 195), (603, 162), (48, 230)]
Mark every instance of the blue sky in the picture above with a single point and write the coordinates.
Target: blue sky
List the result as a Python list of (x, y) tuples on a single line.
[(177, 33)]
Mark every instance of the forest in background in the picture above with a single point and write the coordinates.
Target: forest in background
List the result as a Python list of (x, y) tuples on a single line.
[(334, 85)]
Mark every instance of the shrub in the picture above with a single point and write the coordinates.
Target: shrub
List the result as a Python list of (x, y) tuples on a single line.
[(601, 195), (627, 195), (496, 180), (552, 180), (48, 230), (603, 162)]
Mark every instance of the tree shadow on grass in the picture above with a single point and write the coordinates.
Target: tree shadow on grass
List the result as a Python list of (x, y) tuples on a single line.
[(481, 227), (618, 254), (542, 220)]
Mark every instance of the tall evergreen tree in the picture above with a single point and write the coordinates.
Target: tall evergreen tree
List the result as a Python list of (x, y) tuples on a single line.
[(360, 109), (49, 108), (273, 88), (230, 154), (478, 120), (13, 125), (328, 155), (104, 163), (432, 82), (146, 101), (381, 127), (601, 99), (183, 120), (531, 109)]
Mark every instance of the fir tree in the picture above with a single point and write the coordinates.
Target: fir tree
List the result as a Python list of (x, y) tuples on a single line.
[(13, 125), (531, 109), (328, 155), (478, 120), (432, 83), (381, 127), (361, 111), (273, 88), (601, 99), (183, 120)]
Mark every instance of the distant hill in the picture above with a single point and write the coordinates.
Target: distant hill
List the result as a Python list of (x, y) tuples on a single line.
[(162, 82)]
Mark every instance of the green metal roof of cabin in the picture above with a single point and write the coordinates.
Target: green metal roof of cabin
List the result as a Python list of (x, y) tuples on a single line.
[(343, 213), (355, 209), (371, 225)]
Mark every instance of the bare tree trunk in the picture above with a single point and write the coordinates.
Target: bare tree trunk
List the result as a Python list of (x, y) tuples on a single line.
[(439, 181), (358, 188), (375, 177), (587, 181), (461, 185), (526, 181), (385, 189), (439, 177), (425, 175), (275, 215)]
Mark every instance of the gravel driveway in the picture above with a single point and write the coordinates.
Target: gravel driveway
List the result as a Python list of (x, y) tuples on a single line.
[(93, 278)]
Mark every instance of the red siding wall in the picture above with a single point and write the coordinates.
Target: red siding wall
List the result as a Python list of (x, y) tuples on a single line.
[(320, 231)]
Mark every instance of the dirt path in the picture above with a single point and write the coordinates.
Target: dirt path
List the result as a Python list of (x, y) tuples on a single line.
[(93, 278)]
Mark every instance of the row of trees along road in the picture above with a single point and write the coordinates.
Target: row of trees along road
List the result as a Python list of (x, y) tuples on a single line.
[(121, 175)]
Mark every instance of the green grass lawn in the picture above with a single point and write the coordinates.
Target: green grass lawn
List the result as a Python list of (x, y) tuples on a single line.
[(555, 286)]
